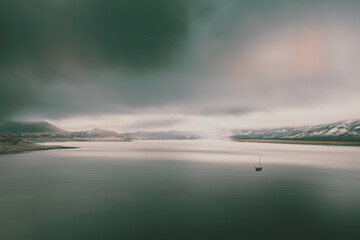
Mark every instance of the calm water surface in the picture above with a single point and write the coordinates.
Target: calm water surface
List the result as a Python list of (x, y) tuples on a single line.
[(181, 190)]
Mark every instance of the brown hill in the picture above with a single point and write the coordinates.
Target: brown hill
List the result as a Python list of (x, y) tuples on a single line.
[(10, 144)]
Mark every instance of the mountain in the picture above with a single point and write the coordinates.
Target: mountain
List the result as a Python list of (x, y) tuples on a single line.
[(345, 131), (106, 135), (90, 135), (28, 127), (178, 135), (46, 132)]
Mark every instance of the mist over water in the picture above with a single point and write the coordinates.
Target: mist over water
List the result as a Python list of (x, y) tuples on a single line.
[(181, 190)]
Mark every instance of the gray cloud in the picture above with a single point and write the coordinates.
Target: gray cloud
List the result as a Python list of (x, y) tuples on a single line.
[(155, 124), (68, 58)]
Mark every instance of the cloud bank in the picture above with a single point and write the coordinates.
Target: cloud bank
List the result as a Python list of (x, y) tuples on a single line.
[(207, 59)]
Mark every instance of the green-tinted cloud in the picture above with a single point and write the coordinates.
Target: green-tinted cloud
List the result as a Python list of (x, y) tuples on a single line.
[(65, 57)]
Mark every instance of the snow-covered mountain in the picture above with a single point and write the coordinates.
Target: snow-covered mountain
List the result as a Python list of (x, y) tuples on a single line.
[(89, 135), (94, 133), (339, 131)]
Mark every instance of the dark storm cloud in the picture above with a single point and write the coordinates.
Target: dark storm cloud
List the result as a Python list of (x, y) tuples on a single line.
[(134, 33), (42, 41)]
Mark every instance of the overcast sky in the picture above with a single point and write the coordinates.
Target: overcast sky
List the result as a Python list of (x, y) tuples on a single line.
[(208, 65)]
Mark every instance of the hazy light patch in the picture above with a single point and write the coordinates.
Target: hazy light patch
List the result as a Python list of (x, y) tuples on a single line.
[(216, 125)]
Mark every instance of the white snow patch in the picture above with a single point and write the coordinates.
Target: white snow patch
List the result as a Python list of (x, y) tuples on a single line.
[(318, 133), (333, 130), (342, 131)]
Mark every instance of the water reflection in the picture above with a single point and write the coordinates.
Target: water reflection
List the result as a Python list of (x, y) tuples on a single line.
[(181, 190)]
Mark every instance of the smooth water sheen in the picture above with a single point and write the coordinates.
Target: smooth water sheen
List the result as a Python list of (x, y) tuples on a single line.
[(181, 190)]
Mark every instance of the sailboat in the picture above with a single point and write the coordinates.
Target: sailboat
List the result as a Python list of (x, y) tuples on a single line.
[(259, 167)]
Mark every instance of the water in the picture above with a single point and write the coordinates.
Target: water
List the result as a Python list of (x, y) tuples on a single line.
[(181, 190)]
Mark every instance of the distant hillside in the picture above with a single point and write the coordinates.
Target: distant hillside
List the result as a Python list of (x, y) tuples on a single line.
[(344, 131), (165, 135), (6, 139), (105, 135), (10, 144), (46, 132), (96, 134), (29, 127)]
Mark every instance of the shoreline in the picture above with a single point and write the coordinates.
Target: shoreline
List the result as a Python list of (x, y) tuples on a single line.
[(21, 148), (302, 142)]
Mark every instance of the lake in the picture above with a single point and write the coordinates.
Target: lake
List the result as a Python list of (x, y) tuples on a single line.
[(196, 189)]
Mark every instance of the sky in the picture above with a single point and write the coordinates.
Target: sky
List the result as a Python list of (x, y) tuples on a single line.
[(200, 65)]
